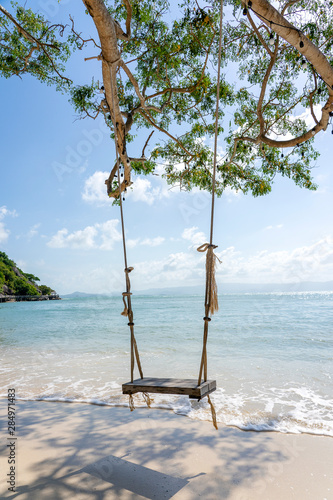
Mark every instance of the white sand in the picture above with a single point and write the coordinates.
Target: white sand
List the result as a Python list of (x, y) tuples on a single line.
[(77, 451)]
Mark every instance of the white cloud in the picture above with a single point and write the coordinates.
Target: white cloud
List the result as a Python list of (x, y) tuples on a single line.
[(109, 234), (132, 243), (178, 269), (149, 191), (307, 116), (4, 232), (142, 189), (94, 190), (103, 279), (83, 239), (278, 226), (4, 212), (151, 242), (33, 231), (196, 237), (309, 263), (313, 263), (100, 236)]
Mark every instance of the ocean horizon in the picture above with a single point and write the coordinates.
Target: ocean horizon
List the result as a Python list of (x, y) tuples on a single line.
[(271, 354), (231, 287)]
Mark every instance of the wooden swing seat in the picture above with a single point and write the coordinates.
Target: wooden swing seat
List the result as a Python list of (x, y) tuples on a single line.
[(188, 387)]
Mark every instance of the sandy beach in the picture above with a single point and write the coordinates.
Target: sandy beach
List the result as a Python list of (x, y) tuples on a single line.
[(81, 451)]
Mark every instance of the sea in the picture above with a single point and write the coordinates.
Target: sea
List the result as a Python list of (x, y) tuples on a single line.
[(270, 353)]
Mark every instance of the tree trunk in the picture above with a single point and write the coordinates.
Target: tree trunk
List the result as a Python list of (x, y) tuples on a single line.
[(275, 21), (107, 32)]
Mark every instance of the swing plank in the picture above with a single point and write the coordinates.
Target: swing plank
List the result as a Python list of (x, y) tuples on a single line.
[(187, 387)]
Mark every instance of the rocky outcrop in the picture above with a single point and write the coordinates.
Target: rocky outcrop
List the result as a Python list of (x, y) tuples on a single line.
[(17, 272), (7, 291), (15, 285)]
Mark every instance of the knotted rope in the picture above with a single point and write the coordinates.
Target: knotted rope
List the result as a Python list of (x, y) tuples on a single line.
[(126, 295), (211, 298), (128, 291)]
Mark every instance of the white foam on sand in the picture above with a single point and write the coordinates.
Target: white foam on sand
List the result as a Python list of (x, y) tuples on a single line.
[(278, 411)]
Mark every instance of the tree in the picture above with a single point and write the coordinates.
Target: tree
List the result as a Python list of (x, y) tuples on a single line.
[(6, 260), (16, 280), (31, 277), (46, 290), (22, 287), (159, 74)]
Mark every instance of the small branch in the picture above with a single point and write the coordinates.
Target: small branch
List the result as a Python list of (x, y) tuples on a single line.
[(133, 81), (255, 29), (99, 58), (26, 59), (109, 180), (119, 31), (151, 121), (144, 147), (128, 18), (54, 67), (82, 39), (263, 89), (288, 4), (311, 96)]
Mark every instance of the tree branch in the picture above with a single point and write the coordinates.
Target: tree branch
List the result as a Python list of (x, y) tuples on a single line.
[(255, 29), (146, 143), (19, 28), (106, 28), (272, 18), (82, 39), (152, 122)]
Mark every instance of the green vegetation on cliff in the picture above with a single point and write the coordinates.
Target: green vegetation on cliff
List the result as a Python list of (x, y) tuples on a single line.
[(13, 281)]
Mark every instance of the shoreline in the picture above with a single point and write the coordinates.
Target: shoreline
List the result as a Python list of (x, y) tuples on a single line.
[(87, 451), (141, 405), (27, 298)]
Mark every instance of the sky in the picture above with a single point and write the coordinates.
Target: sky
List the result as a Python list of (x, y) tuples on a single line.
[(57, 222)]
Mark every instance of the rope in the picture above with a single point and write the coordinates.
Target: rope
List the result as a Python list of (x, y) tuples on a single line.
[(212, 409), (146, 397), (131, 402), (211, 297), (126, 295)]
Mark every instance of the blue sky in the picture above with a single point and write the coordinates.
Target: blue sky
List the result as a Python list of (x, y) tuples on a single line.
[(57, 222)]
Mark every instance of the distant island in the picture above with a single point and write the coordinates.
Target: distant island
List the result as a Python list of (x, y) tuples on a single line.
[(223, 288), (15, 285)]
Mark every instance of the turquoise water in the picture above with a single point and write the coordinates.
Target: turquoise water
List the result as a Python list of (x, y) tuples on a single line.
[(271, 354)]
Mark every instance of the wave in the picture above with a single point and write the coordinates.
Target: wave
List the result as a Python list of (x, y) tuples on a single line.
[(311, 414)]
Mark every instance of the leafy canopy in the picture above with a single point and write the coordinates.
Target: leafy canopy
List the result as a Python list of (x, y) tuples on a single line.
[(166, 82)]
